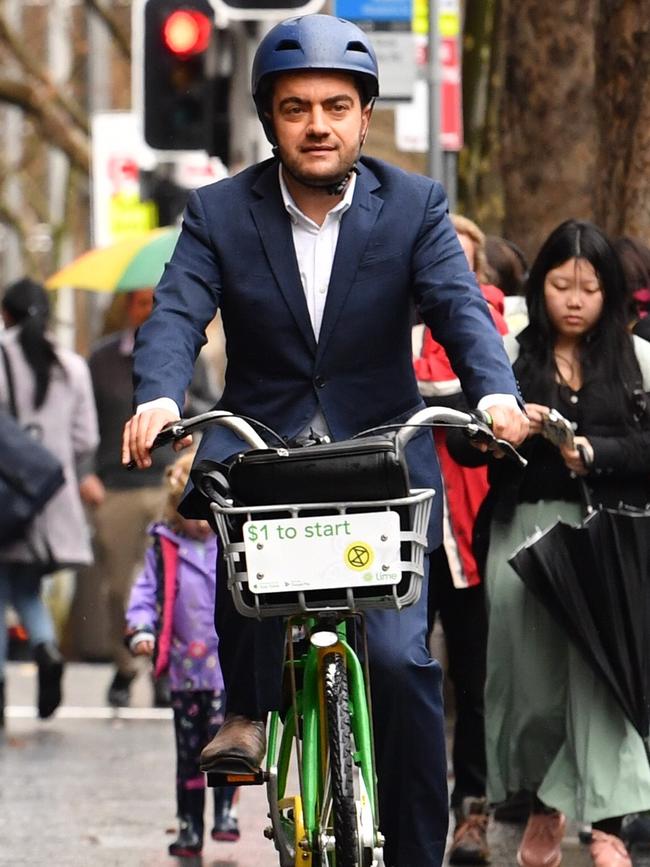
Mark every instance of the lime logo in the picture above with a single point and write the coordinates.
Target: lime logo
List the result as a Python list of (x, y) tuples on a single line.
[(359, 555)]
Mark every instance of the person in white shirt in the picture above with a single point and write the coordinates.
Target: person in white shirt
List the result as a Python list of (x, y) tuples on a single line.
[(316, 258)]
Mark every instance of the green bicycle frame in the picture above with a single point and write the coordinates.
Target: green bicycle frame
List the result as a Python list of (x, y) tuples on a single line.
[(307, 705)]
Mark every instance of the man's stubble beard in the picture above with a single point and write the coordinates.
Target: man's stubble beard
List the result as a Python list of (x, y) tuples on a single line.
[(316, 181)]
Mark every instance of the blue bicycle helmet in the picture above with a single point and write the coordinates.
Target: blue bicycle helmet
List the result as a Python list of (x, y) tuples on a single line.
[(313, 42)]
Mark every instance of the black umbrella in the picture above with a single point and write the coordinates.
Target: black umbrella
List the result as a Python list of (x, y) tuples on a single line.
[(594, 579)]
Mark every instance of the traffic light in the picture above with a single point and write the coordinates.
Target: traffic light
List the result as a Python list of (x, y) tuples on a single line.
[(185, 99)]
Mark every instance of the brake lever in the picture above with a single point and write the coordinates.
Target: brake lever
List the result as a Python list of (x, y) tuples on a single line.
[(480, 431)]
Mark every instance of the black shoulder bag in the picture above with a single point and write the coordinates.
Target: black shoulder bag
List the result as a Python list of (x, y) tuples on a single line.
[(30, 474)]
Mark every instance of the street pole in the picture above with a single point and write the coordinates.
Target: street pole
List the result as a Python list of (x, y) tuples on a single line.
[(435, 155), (12, 260), (59, 61)]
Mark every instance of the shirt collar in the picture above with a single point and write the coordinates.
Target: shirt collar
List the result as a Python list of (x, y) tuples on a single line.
[(296, 215)]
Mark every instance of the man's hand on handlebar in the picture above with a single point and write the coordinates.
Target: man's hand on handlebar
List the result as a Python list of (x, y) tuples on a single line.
[(140, 432), (507, 423)]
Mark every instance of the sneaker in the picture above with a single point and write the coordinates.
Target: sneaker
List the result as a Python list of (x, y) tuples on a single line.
[(226, 829), (606, 850), (541, 845), (119, 692), (469, 845)]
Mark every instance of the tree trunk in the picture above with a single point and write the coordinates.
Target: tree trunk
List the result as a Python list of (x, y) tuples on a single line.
[(623, 109), (480, 193), (548, 120)]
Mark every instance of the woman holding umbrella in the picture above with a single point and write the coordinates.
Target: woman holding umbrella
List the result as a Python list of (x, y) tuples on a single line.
[(553, 727)]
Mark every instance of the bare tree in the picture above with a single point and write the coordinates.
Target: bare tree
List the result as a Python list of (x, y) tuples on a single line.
[(479, 180), (548, 119), (54, 118), (623, 107)]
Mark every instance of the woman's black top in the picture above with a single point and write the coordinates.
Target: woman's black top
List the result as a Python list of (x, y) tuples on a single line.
[(621, 442)]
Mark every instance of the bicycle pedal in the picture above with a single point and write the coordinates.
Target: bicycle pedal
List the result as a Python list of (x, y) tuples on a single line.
[(215, 779)]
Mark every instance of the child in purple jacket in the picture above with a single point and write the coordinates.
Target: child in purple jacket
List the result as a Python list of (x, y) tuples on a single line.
[(171, 609)]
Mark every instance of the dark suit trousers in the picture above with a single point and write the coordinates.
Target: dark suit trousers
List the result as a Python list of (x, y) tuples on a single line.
[(408, 715), (463, 615)]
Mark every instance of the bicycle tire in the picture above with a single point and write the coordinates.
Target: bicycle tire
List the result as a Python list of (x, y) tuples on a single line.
[(339, 734)]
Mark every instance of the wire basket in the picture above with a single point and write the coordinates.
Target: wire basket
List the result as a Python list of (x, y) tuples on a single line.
[(393, 585)]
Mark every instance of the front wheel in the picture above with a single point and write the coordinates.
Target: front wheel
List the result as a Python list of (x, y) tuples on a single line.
[(339, 735)]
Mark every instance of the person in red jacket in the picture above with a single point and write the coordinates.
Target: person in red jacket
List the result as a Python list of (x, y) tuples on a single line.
[(455, 590)]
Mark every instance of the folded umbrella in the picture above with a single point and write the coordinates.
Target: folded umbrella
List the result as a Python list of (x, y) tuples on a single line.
[(594, 580)]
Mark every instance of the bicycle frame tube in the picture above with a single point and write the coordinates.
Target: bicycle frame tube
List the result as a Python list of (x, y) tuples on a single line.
[(311, 773)]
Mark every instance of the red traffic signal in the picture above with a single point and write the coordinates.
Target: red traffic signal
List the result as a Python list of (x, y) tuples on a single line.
[(187, 32), (185, 97)]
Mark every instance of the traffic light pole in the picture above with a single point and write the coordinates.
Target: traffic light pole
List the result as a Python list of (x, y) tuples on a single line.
[(435, 154)]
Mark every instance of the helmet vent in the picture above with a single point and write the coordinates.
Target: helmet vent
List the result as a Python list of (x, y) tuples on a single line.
[(288, 45), (357, 46)]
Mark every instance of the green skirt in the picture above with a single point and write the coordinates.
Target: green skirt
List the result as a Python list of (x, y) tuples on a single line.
[(552, 726)]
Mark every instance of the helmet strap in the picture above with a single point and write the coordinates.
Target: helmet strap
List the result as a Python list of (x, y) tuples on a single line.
[(335, 188), (338, 188)]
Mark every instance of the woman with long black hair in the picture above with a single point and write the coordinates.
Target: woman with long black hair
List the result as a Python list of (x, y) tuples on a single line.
[(53, 397), (552, 728)]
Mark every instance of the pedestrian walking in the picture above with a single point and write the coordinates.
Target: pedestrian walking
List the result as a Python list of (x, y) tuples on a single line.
[(171, 611), (553, 728), (52, 393), (317, 272), (122, 504), (456, 593), (508, 269)]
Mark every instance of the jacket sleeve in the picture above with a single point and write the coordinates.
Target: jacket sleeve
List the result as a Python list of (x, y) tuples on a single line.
[(621, 456), (451, 304), (141, 612)]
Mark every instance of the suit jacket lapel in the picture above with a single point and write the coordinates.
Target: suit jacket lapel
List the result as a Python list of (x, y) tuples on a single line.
[(356, 225), (274, 228)]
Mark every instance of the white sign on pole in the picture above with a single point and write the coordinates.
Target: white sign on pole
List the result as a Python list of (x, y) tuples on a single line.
[(396, 58), (118, 155)]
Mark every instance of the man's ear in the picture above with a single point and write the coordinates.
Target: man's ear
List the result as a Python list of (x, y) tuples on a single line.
[(366, 114)]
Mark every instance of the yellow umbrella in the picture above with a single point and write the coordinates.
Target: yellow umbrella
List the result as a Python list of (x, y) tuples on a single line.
[(134, 263)]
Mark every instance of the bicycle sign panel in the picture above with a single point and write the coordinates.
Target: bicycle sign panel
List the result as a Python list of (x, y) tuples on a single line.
[(319, 552)]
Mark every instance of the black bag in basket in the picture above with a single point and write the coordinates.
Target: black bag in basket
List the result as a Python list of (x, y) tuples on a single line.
[(369, 468)]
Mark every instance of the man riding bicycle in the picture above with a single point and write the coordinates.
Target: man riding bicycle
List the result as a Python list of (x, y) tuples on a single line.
[(316, 258)]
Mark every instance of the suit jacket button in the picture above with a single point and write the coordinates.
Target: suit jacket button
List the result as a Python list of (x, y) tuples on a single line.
[(319, 382)]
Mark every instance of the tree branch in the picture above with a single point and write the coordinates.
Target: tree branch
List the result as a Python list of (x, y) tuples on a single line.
[(16, 45), (37, 103), (121, 37)]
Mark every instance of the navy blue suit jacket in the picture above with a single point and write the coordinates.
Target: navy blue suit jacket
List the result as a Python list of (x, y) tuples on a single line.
[(396, 248)]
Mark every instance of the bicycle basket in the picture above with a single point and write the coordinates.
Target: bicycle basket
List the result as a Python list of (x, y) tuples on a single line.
[(341, 556)]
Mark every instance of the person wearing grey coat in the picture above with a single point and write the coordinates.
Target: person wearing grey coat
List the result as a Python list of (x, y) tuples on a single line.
[(54, 398)]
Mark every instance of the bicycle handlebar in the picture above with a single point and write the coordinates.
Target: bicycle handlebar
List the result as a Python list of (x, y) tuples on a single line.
[(475, 424)]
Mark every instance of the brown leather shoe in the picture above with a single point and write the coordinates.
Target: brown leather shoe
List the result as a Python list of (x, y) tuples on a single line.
[(469, 845), (239, 745), (541, 845), (608, 851)]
